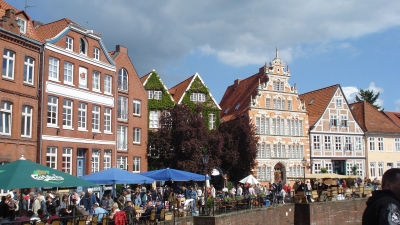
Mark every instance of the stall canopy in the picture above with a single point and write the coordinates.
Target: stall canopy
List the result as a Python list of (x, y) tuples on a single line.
[(26, 174), (324, 176), (173, 175), (117, 176), (249, 180)]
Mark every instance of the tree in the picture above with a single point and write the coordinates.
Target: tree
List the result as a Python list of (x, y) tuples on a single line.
[(369, 96)]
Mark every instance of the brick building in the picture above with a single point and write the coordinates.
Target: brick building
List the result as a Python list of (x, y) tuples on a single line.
[(19, 85)]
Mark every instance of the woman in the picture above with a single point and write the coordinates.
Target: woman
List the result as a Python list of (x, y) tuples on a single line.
[(114, 210), (64, 203), (11, 206), (308, 191)]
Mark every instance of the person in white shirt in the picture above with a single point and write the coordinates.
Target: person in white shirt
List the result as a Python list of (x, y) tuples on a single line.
[(212, 191), (239, 190)]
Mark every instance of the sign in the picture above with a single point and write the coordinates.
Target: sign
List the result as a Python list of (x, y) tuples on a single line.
[(44, 175), (83, 77)]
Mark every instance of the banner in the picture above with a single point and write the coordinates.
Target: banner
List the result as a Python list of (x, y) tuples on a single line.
[(83, 77)]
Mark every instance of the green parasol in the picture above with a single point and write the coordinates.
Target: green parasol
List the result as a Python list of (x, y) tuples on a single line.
[(26, 174)]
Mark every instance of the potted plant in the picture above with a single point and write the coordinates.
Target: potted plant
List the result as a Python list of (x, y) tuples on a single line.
[(354, 169), (324, 170), (210, 204), (228, 199), (239, 198)]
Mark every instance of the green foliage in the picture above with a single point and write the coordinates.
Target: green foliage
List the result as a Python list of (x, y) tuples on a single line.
[(154, 83), (228, 199), (239, 198), (324, 170), (354, 169), (368, 96), (230, 185), (210, 202)]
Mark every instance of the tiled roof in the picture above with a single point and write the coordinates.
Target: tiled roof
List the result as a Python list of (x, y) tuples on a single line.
[(144, 78), (178, 90), (394, 116), (317, 101), (371, 119), (112, 53), (239, 94), (4, 5), (50, 30)]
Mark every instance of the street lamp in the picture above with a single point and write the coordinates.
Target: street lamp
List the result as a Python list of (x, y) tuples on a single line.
[(304, 163), (205, 162)]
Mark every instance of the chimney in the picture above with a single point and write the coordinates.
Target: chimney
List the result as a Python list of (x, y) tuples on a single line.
[(236, 82), (122, 49), (37, 24)]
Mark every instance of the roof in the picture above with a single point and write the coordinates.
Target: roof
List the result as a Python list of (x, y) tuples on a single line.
[(178, 90), (144, 78), (240, 94), (394, 116), (51, 30), (371, 119), (317, 101)]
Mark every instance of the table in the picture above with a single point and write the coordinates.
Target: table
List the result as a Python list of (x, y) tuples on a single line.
[(139, 212)]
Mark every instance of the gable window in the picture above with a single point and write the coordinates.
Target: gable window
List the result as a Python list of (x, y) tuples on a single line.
[(397, 144), (198, 97), (122, 80), (107, 120), (95, 118), (82, 112), (211, 121), (67, 113), (327, 143), (69, 43), (153, 119), (83, 46), (22, 25), (268, 103), (8, 64), (53, 68), (122, 138), (317, 142), (122, 108), (136, 164), (372, 144), (150, 94), (343, 121), (52, 111), (338, 143), (96, 81), (289, 105), (5, 118), (26, 121), (96, 54), (136, 135), (380, 144), (107, 84), (136, 107), (68, 73), (157, 95), (278, 86), (51, 157), (358, 143), (339, 102), (29, 66), (333, 121), (348, 144), (317, 167)]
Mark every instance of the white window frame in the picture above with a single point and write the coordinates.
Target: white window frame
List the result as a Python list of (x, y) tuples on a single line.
[(67, 161), (83, 46), (68, 108), (96, 81), (69, 43), (29, 70), (333, 121), (137, 107), (211, 121), (349, 171), (371, 141), (344, 121), (108, 84), (22, 25), (122, 162), (153, 119), (317, 143), (397, 144), (6, 118), (339, 102), (338, 143), (136, 164), (51, 157), (123, 80), (268, 103), (137, 135), (150, 94), (8, 64), (327, 143), (26, 121), (372, 169), (381, 144), (289, 102), (122, 141), (107, 120), (198, 97), (68, 73), (96, 53), (52, 111), (107, 159), (328, 167), (317, 167), (54, 69), (95, 118), (348, 143), (82, 116), (158, 95), (95, 160), (123, 108), (380, 169), (358, 143)]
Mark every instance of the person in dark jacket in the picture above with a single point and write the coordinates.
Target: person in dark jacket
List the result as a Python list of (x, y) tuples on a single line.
[(384, 205)]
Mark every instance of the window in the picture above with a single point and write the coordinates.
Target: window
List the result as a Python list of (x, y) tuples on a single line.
[(289, 105), (317, 167), (136, 135), (327, 143), (95, 118), (150, 95), (68, 73), (358, 143), (107, 84), (136, 107), (211, 121), (67, 160), (277, 126), (153, 119), (83, 77), (136, 164), (398, 165), (380, 169), (52, 111), (158, 95), (328, 166), (294, 127), (397, 144), (198, 97), (339, 102), (122, 108), (279, 151), (122, 138), (96, 81), (95, 161), (279, 103), (380, 144), (343, 121), (51, 157), (317, 144), (122, 162), (372, 169), (29, 69), (69, 43), (107, 159), (96, 54), (8, 64), (334, 122), (83, 46), (53, 68), (389, 165), (67, 113), (349, 170), (338, 143), (278, 86), (268, 103), (122, 80), (5, 118), (348, 144), (107, 120), (26, 121), (22, 25), (82, 107), (360, 169), (372, 144)]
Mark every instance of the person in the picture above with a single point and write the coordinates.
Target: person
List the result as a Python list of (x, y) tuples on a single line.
[(74, 196), (3, 207), (159, 207), (100, 212), (213, 192), (50, 204), (104, 202), (147, 212), (64, 203), (114, 210), (143, 196), (239, 190), (122, 200), (193, 195), (251, 190), (53, 216), (11, 205), (129, 208), (83, 200), (64, 215), (383, 207), (90, 199), (166, 193), (41, 215), (172, 199), (308, 191), (25, 218)]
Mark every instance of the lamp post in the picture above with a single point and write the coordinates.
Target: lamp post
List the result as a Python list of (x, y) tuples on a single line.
[(205, 162), (304, 162)]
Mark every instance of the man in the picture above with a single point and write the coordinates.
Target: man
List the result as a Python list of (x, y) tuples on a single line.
[(239, 190), (146, 214), (383, 206), (91, 199), (104, 202), (122, 200), (100, 212), (36, 204), (213, 192), (193, 195)]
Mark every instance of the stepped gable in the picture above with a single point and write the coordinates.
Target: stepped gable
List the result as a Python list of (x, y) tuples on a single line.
[(317, 101), (240, 93), (371, 119), (178, 90), (394, 116), (51, 30)]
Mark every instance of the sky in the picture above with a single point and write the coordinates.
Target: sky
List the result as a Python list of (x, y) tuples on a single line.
[(354, 43)]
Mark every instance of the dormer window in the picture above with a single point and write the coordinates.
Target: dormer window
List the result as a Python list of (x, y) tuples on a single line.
[(69, 43), (311, 102), (198, 97), (83, 46), (22, 25), (237, 106), (226, 110)]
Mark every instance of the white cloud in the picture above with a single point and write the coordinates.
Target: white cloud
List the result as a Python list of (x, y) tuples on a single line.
[(351, 92), (397, 103)]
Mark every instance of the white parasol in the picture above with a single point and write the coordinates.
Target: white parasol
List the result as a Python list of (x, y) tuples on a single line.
[(249, 179)]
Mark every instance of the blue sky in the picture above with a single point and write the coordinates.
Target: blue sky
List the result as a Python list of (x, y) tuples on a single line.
[(353, 43)]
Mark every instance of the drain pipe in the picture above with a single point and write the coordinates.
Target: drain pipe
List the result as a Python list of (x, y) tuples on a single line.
[(41, 77)]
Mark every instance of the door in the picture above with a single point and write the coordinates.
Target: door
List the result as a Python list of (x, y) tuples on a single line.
[(80, 166)]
